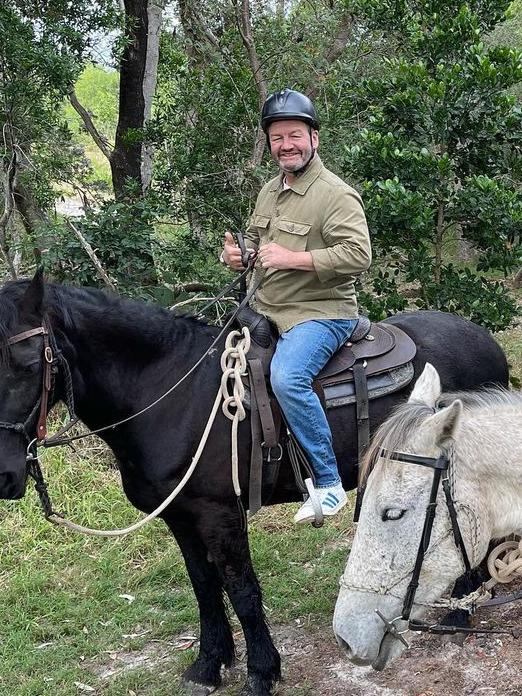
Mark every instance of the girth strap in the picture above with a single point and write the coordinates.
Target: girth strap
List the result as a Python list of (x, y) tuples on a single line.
[(363, 424)]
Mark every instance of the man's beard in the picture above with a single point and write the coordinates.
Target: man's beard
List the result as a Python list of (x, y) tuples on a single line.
[(300, 160)]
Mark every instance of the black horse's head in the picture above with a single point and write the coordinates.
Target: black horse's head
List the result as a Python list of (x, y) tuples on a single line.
[(21, 379)]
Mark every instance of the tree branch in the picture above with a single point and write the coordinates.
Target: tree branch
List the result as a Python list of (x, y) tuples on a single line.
[(92, 255), (245, 29), (9, 205), (100, 140), (335, 50)]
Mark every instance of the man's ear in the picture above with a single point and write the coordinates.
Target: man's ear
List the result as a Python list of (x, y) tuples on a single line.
[(32, 301)]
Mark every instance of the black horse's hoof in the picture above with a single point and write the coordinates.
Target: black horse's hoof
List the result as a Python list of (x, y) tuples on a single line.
[(256, 686), (189, 688)]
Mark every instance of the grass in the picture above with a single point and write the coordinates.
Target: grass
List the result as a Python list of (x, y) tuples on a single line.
[(79, 611), (73, 605)]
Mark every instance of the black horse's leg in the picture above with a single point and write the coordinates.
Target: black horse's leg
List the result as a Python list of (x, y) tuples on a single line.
[(221, 530), (216, 642)]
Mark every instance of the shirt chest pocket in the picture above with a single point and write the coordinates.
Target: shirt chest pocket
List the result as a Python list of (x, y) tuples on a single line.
[(292, 235), (262, 225)]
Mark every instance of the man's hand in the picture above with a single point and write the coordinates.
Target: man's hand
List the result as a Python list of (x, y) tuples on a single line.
[(274, 255), (232, 253)]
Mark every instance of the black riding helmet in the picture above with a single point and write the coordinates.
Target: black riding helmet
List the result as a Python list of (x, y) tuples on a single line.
[(286, 105)]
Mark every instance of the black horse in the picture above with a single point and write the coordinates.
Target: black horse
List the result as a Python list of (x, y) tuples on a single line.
[(122, 355)]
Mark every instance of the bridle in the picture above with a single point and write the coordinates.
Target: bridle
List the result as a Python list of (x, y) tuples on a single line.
[(51, 357), (440, 466), (42, 402)]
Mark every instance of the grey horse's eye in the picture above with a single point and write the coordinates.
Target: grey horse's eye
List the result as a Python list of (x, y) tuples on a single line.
[(392, 514)]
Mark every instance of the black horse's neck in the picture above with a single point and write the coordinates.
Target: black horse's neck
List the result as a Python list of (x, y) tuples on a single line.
[(123, 353), (115, 324)]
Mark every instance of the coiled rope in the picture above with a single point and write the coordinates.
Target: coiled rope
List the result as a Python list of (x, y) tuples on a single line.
[(504, 565), (234, 366)]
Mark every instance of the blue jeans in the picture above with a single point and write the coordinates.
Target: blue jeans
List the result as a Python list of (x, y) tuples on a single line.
[(300, 355)]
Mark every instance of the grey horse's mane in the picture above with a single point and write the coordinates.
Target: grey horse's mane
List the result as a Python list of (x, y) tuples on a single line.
[(404, 421)]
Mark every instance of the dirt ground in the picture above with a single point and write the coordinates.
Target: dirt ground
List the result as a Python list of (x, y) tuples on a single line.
[(489, 665), (485, 665)]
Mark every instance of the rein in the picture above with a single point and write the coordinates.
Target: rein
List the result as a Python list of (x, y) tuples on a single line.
[(57, 440), (49, 371)]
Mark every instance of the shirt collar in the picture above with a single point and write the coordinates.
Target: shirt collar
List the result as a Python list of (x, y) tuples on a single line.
[(303, 181)]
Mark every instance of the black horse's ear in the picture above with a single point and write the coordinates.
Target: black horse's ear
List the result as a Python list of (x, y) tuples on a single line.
[(32, 301)]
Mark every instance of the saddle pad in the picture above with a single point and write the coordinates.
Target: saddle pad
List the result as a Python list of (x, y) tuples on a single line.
[(343, 393)]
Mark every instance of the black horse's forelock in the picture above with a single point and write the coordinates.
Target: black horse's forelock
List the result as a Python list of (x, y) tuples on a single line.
[(10, 296)]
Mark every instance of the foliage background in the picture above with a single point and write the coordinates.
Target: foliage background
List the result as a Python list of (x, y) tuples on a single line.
[(420, 108)]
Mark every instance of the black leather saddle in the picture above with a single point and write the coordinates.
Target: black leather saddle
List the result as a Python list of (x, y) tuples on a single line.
[(378, 347), (376, 361)]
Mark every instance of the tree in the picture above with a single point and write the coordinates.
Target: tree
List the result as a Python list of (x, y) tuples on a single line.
[(441, 155), (41, 49), (131, 158)]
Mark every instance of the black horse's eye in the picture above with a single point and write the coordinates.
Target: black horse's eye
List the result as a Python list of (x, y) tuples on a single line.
[(392, 514), (30, 368)]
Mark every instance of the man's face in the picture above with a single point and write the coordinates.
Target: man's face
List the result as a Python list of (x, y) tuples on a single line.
[(290, 144)]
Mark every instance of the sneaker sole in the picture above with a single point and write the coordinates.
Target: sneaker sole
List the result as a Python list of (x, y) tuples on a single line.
[(326, 513)]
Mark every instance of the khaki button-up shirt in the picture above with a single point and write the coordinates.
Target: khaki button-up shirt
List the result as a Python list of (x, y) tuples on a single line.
[(321, 214)]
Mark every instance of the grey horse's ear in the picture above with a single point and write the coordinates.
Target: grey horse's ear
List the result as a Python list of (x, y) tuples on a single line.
[(427, 388), (32, 301), (444, 424)]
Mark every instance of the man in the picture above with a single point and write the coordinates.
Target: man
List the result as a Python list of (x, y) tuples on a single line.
[(311, 237)]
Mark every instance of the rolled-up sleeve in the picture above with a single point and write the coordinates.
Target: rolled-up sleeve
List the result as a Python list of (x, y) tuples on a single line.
[(345, 234)]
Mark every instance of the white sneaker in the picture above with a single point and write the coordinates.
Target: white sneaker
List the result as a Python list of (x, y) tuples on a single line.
[(332, 500)]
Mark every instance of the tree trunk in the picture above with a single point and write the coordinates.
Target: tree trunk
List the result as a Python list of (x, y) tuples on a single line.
[(138, 72), (32, 216), (155, 13)]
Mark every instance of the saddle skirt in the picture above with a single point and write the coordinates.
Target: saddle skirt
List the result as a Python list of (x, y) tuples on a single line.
[(384, 351), (376, 361)]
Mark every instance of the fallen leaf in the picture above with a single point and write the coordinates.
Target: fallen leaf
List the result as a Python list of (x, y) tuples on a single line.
[(130, 598)]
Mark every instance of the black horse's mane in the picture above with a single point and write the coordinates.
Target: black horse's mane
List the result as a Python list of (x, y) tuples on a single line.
[(76, 308)]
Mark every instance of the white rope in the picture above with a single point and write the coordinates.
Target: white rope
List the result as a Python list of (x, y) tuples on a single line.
[(504, 566), (505, 561), (234, 366), (231, 354)]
